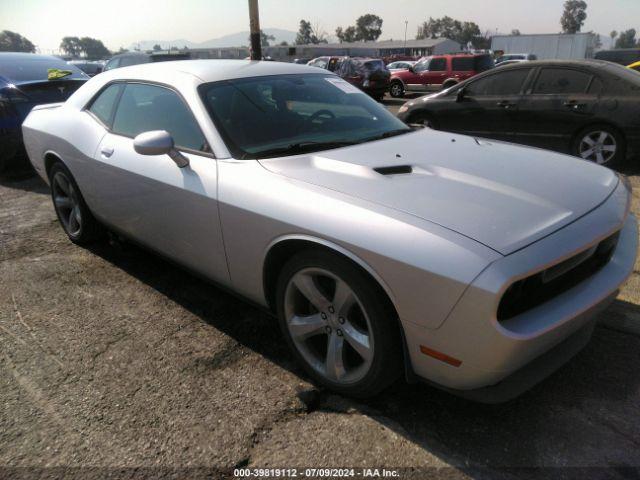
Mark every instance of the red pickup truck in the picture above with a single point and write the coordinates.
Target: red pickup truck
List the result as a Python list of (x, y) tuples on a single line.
[(438, 72)]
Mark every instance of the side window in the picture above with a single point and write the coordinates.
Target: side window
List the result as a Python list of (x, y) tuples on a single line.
[(143, 108), (561, 81), (438, 65), (113, 63), (462, 64), (104, 105), (503, 83), (421, 66)]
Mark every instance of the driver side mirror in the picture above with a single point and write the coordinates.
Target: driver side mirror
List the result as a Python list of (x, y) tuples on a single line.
[(460, 95), (411, 69), (159, 142)]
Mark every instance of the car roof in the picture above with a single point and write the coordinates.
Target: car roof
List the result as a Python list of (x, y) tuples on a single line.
[(210, 70)]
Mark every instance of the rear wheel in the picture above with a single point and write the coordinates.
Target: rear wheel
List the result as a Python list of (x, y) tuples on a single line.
[(75, 217), (601, 144), (396, 90), (338, 324)]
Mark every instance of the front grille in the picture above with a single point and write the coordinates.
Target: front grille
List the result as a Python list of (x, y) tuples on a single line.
[(537, 289)]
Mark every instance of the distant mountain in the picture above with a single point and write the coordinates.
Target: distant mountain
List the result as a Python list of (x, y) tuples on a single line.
[(232, 40)]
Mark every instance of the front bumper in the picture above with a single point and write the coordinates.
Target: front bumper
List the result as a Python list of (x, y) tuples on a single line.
[(491, 351)]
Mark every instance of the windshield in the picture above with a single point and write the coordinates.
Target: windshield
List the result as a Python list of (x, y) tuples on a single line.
[(29, 69), (290, 114)]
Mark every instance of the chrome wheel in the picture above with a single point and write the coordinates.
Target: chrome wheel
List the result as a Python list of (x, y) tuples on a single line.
[(598, 146), (67, 205), (328, 325), (396, 90)]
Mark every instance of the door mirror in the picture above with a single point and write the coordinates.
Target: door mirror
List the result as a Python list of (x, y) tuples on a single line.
[(460, 94), (411, 69), (159, 142)]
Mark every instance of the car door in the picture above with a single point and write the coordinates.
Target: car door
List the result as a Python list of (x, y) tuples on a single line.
[(149, 198), (489, 105), (437, 73), (559, 102)]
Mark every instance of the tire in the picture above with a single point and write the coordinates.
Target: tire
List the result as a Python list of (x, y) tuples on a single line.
[(353, 347), (601, 144), (396, 90), (75, 217)]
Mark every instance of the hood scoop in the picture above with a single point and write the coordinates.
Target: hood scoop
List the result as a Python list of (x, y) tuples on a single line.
[(394, 170)]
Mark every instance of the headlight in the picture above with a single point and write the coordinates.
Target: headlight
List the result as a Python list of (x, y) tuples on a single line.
[(403, 108)]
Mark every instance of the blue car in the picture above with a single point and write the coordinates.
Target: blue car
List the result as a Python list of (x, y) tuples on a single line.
[(24, 83)]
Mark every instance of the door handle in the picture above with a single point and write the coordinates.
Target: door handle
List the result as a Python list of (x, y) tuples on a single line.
[(574, 105), (106, 151), (506, 104)]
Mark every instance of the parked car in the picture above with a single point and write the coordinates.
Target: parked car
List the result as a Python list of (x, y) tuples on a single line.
[(622, 56), (510, 62), (516, 56), (136, 58), (24, 82), (301, 61), (90, 68), (476, 266), (586, 108), (327, 63), (439, 72), (368, 74), (400, 65)]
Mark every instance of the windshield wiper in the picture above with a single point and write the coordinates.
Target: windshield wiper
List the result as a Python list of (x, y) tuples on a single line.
[(390, 133), (299, 147)]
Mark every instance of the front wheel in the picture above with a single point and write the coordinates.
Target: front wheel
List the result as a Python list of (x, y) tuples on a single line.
[(396, 90), (601, 144), (338, 324)]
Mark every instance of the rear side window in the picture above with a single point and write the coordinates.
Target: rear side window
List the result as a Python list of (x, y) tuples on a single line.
[(111, 64), (463, 64), (438, 65), (503, 83), (104, 105), (561, 81), (143, 108)]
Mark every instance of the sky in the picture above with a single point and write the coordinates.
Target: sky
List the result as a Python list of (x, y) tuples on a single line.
[(122, 22)]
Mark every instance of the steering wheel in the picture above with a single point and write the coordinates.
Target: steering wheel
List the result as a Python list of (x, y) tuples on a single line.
[(321, 113)]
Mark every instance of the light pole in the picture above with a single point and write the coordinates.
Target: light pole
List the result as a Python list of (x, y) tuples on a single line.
[(254, 25), (406, 24)]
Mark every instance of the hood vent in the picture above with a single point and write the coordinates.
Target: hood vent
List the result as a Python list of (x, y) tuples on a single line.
[(394, 170)]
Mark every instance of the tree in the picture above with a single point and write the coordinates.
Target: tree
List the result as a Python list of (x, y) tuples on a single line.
[(14, 42), (574, 15), (369, 27), (447, 27), (515, 32), (310, 34), (284, 43), (71, 46), (93, 48), (626, 39), (347, 35), (613, 35), (157, 47)]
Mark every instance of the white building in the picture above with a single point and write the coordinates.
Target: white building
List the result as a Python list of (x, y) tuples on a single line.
[(548, 46)]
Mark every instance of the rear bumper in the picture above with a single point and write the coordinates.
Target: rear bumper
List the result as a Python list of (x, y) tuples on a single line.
[(491, 351)]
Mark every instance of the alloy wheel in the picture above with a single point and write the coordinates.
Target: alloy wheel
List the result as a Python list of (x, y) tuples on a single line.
[(67, 205), (396, 90), (328, 325), (598, 146)]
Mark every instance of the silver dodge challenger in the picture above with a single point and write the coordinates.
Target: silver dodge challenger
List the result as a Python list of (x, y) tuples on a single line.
[(476, 266)]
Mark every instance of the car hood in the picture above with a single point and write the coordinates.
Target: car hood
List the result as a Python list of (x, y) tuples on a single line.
[(501, 195)]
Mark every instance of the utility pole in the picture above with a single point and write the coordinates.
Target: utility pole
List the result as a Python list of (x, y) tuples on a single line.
[(254, 24), (406, 24)]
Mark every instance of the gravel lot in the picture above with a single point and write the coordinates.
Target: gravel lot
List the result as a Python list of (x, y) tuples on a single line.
[(113, 359)]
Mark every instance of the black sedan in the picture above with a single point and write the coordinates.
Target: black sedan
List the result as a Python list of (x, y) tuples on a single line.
[(589, 109), (26, 80)]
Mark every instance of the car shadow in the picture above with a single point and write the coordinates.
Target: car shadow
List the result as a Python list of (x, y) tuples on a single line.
[(556, 422), (25, 180)]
